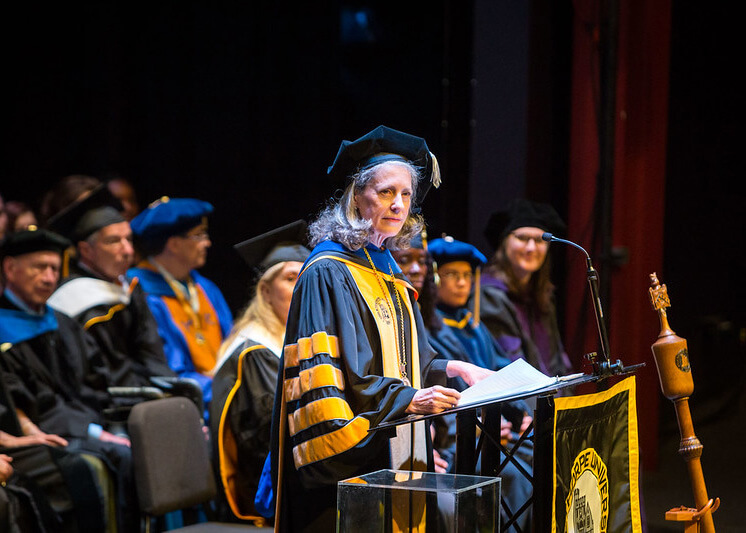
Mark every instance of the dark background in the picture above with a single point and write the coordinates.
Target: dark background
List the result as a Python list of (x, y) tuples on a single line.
[(244, 104)]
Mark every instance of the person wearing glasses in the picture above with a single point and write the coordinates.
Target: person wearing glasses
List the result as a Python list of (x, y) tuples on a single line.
[(192, 315), (462, 337), (516, 294)]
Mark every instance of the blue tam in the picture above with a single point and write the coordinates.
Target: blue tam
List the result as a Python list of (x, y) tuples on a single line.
[(167, 217), (448, 250)]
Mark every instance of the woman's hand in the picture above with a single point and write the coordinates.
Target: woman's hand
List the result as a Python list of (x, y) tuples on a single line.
[(470, 373), (527, 419), (5, 469), (441, 465), (506, 428), (433, 400)]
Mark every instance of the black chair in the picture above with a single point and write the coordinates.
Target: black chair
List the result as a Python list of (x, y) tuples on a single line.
[(172, 462)]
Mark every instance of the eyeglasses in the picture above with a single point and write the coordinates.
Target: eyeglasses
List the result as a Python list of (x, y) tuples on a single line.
[(525, 238), (201, 236), (452, 275)]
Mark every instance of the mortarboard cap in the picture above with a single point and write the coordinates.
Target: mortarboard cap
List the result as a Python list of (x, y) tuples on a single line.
[(167, 217), (419, 241), (286, 243), (385, 144), (522, 213), (85, 216), (32, 240), (448, 250)]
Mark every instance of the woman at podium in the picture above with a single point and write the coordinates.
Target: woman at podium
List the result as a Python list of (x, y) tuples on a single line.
[(355, 353)]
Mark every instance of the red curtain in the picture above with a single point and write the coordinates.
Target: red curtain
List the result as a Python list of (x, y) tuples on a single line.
[(640, 126)]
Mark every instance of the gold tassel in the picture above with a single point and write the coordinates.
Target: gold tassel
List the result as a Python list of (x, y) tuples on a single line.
[(477, 283), (435, 175), (66, 261)]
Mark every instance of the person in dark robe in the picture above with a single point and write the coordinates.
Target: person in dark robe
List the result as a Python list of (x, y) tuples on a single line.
[(354, 353), (416, 263), (19, 509), (463, 337), (97, 293), (192, 315), (67, 490), (516, 293), (49, 362), (248, 364)]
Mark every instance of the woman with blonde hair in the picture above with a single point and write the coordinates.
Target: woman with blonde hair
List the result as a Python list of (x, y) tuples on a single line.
[(248, 362)]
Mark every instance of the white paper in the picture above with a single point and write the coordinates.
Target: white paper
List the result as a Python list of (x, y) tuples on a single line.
[(518, 377)]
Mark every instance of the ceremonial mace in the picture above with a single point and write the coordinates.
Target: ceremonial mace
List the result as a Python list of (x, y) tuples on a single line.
[(672, 359)]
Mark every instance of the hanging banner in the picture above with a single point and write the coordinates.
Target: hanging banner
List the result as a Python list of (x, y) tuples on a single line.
[(596, 462)]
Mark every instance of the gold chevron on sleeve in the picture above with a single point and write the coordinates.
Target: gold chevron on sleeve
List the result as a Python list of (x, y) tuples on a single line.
[(307, 347), (323, 410), (291, 355), (330, 444), (323, 343), (313, 378)]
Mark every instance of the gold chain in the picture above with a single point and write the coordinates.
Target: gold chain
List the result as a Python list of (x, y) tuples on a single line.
[(400, 347)]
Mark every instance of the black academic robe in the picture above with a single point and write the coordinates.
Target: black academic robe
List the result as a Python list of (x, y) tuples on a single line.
[(57, 378), (460, 339), (341, 377), (65, 480), (126, 334), (240, 418)]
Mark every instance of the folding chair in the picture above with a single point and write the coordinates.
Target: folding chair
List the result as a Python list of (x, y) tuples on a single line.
[(172, 463)]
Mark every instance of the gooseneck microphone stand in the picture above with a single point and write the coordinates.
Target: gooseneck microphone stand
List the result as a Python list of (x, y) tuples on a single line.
[(604, 367)]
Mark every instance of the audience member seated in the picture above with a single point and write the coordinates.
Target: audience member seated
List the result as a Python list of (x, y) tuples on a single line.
[(416, 263), (20, 216), (464, 338), (191, 312), (65, 191), (123, 190), (20, 510), (517, 296), (97, 293), (246, 373), (51, 368), (69, 490)]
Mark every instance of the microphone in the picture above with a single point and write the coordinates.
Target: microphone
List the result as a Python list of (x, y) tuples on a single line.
[(605, 367), (551, 238)]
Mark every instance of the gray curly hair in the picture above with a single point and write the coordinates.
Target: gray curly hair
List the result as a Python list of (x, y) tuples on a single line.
[(341, 222)]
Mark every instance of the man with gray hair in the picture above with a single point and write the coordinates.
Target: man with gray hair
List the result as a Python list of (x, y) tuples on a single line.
[(96, 292)]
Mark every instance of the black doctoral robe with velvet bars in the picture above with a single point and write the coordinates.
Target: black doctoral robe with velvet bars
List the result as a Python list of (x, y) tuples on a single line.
[(341, 378)]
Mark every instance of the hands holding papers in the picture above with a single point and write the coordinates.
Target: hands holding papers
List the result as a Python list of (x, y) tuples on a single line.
[(518, 377), (437, 399)]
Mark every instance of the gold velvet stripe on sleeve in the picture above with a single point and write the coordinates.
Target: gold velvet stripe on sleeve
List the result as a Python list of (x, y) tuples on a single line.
[(322, 410), (334, 443), (324, 375), (319, 410)]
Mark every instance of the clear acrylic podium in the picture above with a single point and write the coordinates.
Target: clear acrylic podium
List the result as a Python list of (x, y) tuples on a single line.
[(396, 500)]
